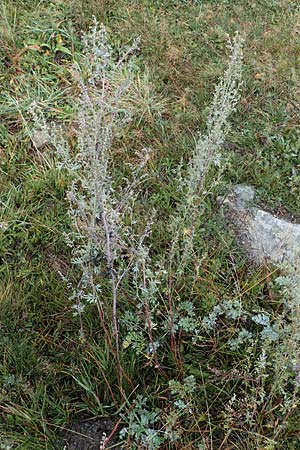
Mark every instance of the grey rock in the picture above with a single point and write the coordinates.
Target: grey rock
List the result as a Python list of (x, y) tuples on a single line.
[(266, 238)]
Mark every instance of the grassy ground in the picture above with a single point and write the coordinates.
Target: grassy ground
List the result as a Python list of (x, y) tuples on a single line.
[(46, 375)]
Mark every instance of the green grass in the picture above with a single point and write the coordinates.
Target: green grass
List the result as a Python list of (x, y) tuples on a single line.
[(46, 376)]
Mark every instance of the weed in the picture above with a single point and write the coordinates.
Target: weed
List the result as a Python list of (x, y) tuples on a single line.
[(207, 315)]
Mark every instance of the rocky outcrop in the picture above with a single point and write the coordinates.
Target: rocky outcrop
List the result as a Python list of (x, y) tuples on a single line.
[(266, 238)]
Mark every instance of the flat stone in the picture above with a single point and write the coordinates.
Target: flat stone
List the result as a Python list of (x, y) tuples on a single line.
[(266, 238)]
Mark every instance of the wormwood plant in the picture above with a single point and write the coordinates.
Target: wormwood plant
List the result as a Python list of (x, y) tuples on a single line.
[(110, 254), (107, 246), (209, 144), (183, 226), (273, 342), (207, 152), (97, 208)]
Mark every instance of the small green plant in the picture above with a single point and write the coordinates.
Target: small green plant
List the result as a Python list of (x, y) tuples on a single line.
[(150, 428), (141, 427)]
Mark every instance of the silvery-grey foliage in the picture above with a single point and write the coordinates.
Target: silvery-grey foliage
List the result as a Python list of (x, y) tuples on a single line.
[(208, 146), (207, 152), (270, 240), (97, 207)]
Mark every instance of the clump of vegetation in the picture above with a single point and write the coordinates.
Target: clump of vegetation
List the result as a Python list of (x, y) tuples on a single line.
[(134, 301)]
